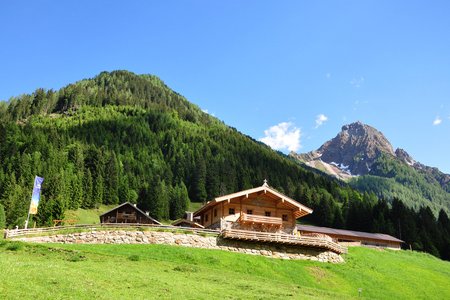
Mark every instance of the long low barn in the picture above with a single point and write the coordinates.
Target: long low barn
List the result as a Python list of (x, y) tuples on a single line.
[(354, 237)]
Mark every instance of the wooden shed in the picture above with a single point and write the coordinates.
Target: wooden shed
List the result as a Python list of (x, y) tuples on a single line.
[(127, 213)]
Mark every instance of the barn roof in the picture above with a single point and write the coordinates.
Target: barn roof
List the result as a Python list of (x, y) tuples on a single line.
[(192, 223), (134, 207), (349, 233), (301, 210)]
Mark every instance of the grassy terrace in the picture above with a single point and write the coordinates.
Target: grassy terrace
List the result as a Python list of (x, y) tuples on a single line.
[(166, 272)]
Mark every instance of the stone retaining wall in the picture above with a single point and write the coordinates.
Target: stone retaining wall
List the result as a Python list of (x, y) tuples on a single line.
[(189, 240)]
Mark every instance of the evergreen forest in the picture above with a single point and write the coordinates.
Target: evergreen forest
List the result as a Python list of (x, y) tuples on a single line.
[(125, 137)]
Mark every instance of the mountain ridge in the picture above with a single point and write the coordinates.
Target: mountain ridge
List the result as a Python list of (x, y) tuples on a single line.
[(362, 155)]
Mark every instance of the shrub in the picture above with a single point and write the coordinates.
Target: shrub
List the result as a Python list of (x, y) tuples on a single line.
[(14, 246), (134, 257)]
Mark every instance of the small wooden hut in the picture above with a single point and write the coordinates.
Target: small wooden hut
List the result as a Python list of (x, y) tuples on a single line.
[(127, 213)]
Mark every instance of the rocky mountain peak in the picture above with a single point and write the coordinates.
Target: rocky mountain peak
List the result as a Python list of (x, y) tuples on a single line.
[(355, 148), (404, 156)]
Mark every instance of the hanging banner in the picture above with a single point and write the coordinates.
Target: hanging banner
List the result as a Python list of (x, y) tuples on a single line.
[(36, 195)]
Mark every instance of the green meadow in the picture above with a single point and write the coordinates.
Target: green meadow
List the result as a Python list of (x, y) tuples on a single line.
[(56, 271)]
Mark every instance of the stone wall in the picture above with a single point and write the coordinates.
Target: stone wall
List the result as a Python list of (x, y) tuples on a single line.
[(189, 240)]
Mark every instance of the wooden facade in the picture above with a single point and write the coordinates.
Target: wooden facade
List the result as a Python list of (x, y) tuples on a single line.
[(260, 209), (127, 213)]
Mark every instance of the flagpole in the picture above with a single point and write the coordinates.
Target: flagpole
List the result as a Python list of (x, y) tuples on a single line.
[(28, 218)]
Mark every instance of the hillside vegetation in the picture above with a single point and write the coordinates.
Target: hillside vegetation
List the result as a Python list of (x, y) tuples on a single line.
[(124, 137), (390, 178), (168, 272)]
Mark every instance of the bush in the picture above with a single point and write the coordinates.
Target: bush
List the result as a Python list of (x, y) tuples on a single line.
[(186, 268), (76, 257), (134, 257), (14, 246)]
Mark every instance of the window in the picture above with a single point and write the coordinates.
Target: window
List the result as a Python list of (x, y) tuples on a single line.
[(206, 218), (284, 217), (249, 212), (267, 213), (215, 212), (231, 211)]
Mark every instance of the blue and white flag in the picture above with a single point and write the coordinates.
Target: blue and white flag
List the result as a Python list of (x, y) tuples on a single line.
[(36, 195)]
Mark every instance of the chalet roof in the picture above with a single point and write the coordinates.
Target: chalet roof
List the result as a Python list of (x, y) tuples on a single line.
[(134, 207), (349, 233), (192, 223), (300, 212)]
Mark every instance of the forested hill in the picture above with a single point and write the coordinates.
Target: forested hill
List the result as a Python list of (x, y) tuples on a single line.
[(124, 137)]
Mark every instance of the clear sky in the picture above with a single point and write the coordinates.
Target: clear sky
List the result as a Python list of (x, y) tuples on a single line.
[(291, 72)]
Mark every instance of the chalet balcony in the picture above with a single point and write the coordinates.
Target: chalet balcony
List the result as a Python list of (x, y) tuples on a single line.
[(280, 238), (256, 219)]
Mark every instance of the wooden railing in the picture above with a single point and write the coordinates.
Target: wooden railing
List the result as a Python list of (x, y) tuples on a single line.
[(11, 233), (260, 219), (283, 239)]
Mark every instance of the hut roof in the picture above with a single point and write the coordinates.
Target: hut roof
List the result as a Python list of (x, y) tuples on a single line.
[(134, 207), (349, 233), (192, 223)]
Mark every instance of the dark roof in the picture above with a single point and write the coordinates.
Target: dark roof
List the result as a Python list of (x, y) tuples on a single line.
[(349, 233), (135, 207)]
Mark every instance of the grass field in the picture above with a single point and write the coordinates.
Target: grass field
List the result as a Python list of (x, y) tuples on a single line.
[(171, 272), (87, 216)]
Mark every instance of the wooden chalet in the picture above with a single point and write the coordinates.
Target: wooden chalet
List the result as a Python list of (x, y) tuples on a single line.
[(127, 213), (261, 209), (353, 238)]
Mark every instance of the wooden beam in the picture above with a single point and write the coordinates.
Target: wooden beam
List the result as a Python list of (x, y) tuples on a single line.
[(240, 206)]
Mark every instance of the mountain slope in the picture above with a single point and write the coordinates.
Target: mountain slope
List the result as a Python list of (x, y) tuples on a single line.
[(125, 137), (365, 158)]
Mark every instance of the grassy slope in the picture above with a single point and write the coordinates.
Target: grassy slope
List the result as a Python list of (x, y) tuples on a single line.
[(162, 272), (87, 216)]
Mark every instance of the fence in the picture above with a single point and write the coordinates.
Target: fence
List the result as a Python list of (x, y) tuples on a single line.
[(10, 233)]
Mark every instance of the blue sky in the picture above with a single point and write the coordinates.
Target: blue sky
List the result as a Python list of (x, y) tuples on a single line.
[(311, 66)]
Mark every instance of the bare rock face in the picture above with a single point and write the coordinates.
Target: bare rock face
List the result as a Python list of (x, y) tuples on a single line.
[(356, 148), (404, 157)]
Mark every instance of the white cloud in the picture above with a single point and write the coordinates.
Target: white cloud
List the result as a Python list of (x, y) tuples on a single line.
[(357, 82), (437, 121), (320, 119), (207, 112), (282, 136), (328, 75)]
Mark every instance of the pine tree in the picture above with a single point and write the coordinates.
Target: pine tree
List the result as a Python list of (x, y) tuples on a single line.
[(111, 194), (88, 189), (97, 197), (199, 181), (179, 201), (2, 217)]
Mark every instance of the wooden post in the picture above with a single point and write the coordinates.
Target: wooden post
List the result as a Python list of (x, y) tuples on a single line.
[(240, 207)]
